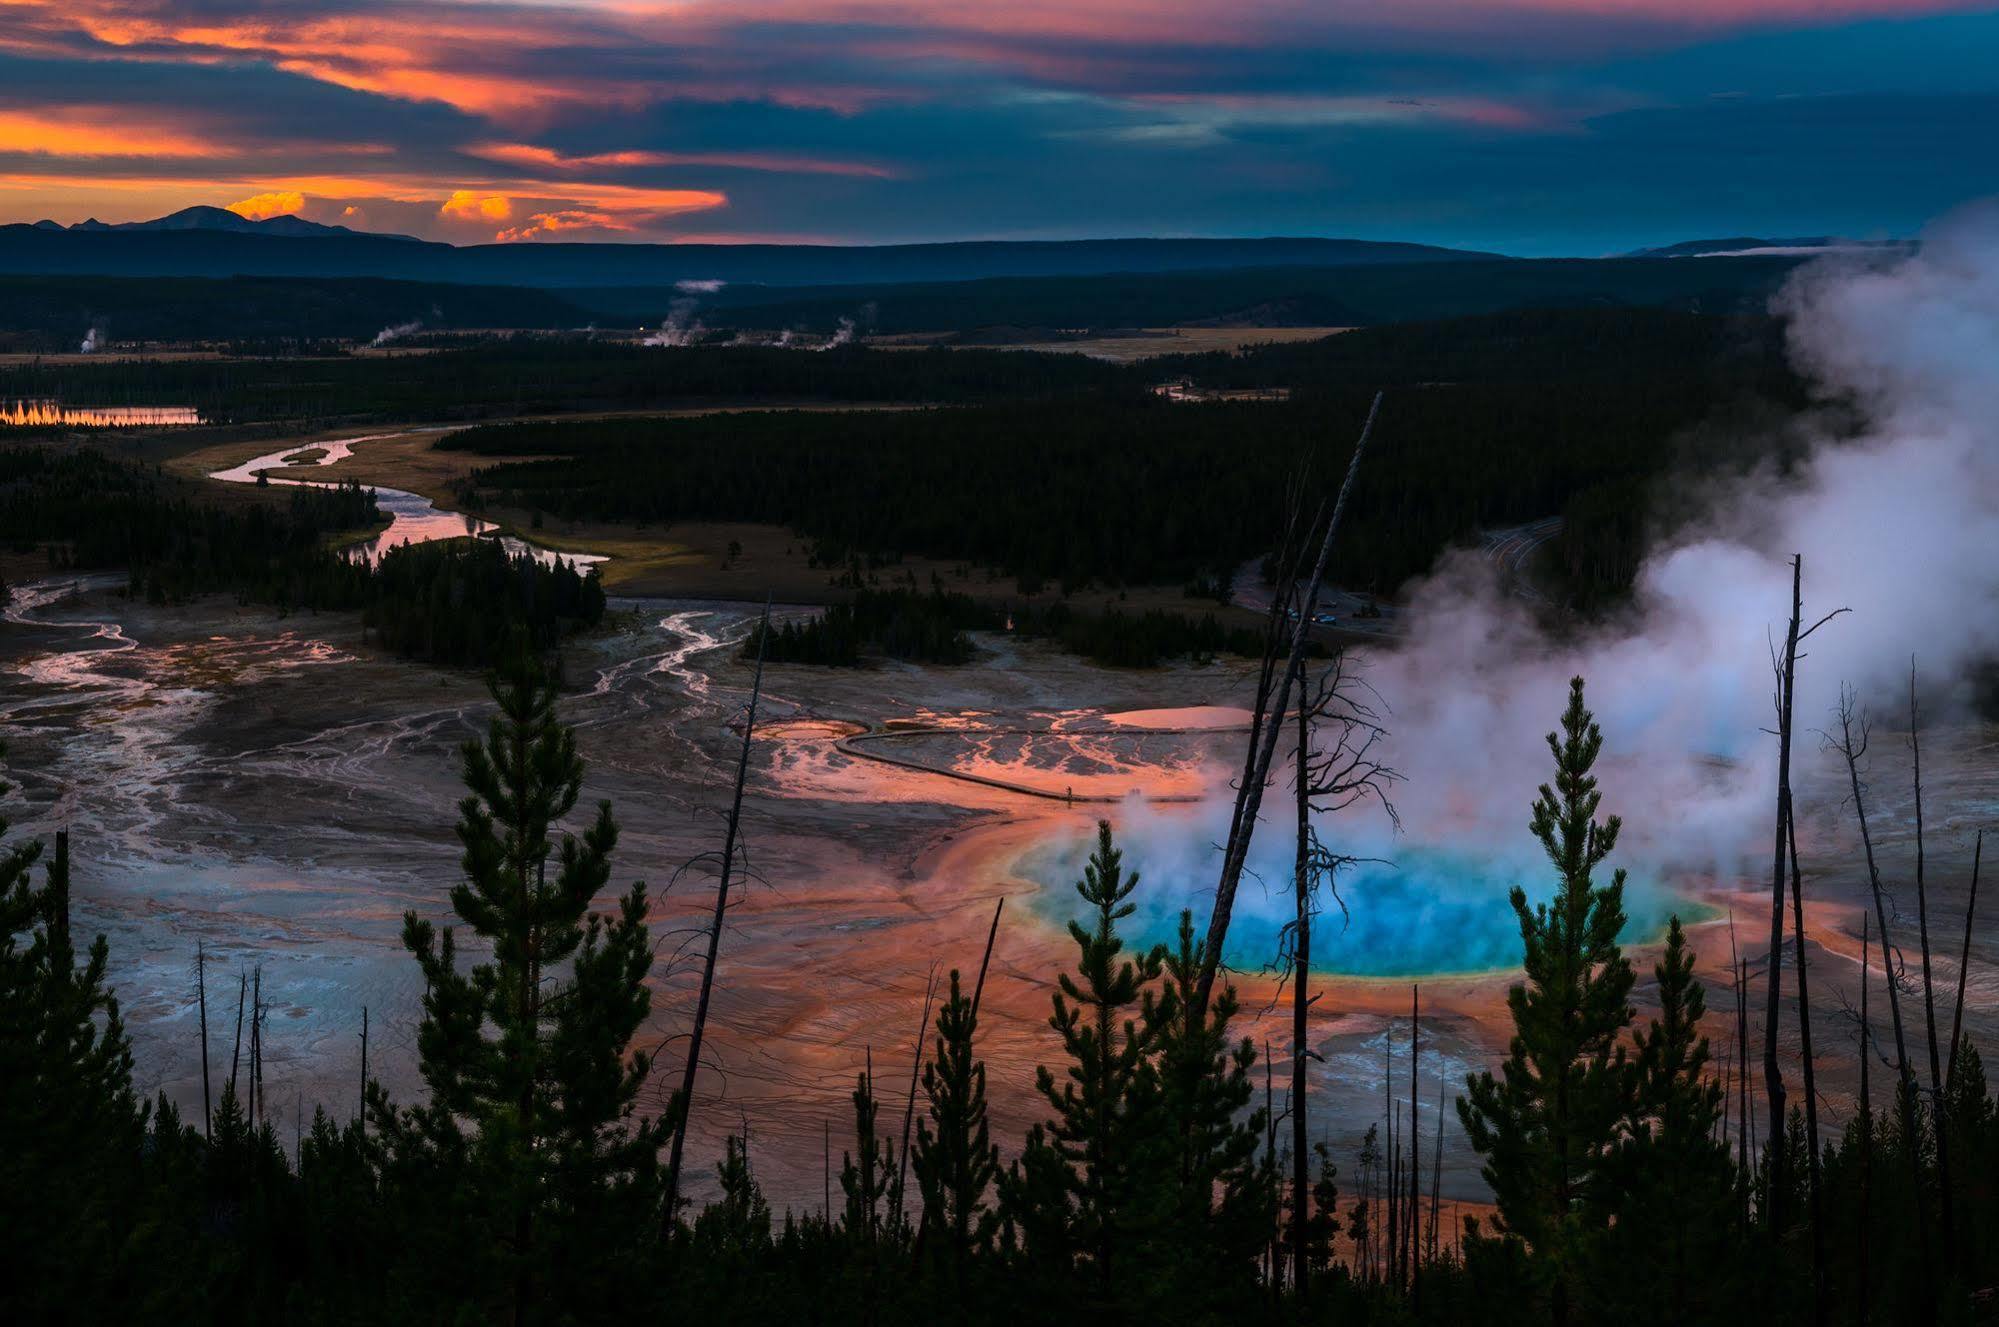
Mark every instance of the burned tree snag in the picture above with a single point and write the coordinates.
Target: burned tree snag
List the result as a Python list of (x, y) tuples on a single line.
[(682, 1105), (1273, 698)]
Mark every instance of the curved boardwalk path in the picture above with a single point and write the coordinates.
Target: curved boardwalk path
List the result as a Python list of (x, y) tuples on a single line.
[(851, 745)]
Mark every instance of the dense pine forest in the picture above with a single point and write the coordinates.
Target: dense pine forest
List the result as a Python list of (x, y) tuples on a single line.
[(457, 603), (526, 1186), (1494, 420)]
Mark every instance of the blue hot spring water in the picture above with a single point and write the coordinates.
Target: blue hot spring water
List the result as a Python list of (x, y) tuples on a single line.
[(1428, 912)]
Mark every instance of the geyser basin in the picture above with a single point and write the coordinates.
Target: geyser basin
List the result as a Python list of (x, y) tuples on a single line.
[(1430, 912)]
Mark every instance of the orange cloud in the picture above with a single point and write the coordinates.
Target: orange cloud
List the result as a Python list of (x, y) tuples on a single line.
[(547, 223), (526, 154), (468, 205), (264, 206), (93, 132)]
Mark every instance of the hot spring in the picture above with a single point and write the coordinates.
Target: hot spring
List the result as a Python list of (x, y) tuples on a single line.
[(1427, 912)]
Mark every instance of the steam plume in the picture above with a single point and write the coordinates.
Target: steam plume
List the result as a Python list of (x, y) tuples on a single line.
[(93, 341), (1899, 522), (397, 332), (681, 328)]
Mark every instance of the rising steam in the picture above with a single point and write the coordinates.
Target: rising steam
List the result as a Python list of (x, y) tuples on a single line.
[(93, 341), (681, 327), (389, 335), (1899, 522)]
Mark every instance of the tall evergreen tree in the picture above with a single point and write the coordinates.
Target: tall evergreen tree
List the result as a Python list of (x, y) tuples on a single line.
[(1546, 1128), (529, 1158), (956, 1161), (1094, 1146), (1672, 1188), (72, 1125), (1208, 1192)]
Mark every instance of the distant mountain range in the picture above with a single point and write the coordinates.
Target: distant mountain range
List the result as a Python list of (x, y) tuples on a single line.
[(211, 242), (218, 219)]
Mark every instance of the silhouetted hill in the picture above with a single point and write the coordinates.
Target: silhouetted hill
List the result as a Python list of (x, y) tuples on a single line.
[(1268, 297), (251, 249), (53, 313), (219, 219)]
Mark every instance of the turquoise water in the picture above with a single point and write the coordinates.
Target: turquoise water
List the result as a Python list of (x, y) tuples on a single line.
[(1429, 912)]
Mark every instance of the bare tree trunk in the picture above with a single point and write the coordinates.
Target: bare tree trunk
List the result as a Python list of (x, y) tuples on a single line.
[(1811, 1080), (683, 1106), (1937, 1113), (826, 1160), (1276, 1240), (1866, 1214), (909, 1110), (361, 1120), (1773, 1077), (1393, 1198), (992, 933), (201, 989), (256, 1046), (1739, 971), (1436, 1172), (1852, 749), (236, 1054), (1964, 962), (1301, 975), (1410, 1246), (1265, 726)]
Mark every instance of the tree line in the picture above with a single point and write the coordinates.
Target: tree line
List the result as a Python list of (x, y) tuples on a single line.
[(1496, 421), (526, 1184), (459, 602)]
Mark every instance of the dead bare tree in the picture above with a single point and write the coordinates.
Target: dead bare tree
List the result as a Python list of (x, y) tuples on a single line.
[(201, 991), (1786, 669), (1964, 962), (1436, 1172), (992, 934), (1937, 1112), (1739, 970), (1332, 771), (1852, 745), (909, 1111), (1819, 1306), (236, 1053), (1866, 1124), (256, 1045), (361, 1120), (682, 1105), (1292, 606), (1410, 1245)]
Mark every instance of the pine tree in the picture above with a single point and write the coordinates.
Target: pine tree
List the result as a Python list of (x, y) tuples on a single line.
[(956, 1163), (865, 1172), (736, 1226), (1546, 1128), (533, 1085), (72, 1126), (1096, 1140), (1669, 1231), (1208, 1194)]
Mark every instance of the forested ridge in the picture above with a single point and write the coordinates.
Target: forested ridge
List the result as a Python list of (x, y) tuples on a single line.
[(456, 603), (1492, 421), (527, 1185)]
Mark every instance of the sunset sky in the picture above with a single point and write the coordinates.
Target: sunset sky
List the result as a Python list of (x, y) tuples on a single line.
[(1528, 126)]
